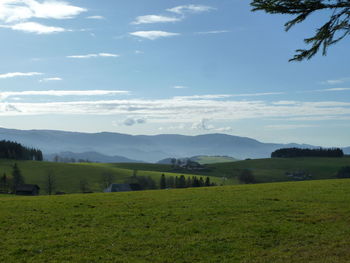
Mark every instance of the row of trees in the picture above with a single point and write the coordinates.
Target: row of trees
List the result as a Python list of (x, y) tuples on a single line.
[(298, 152), (182, 182), (13, 150)]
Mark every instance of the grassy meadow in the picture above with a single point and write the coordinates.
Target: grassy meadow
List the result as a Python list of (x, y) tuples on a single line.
[(278, 222)]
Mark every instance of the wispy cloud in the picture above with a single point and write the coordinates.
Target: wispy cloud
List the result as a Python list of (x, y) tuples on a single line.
[(19, 74), (21, 10), (223, 96), (335, 89), (50, 79), (183, 111), (289, 126), (182, 9), (335, 81), (152, 19), (213, 32), (96, 17), (98, 55), (61, 93), (33, 27), (180, 87), (153, 35)]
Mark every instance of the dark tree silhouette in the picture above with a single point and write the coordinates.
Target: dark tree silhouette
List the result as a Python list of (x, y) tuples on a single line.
[(332, 31), (246, 177), (50, 182), (297, 152), (13, 150), (162, 182), (17, 178), (4, 184)]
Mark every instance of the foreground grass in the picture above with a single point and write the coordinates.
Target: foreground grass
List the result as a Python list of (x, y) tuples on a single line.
[(281, 222)]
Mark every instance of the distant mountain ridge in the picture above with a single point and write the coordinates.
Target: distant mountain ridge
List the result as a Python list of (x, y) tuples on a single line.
[(91, 157), (143, 147)]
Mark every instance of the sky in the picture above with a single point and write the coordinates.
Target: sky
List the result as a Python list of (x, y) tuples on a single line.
[(175, 66)]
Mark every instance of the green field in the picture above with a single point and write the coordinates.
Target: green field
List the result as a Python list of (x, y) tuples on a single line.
[(213, 159), (279, 222), (265, 170), (68, 176)]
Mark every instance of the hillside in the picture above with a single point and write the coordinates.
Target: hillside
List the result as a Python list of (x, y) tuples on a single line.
[(69, 176), (90, 156), (304, 222), (144, 148), (265, 170)]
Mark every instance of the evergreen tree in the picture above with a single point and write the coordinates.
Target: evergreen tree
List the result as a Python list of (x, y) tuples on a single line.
[(188, 182), (182, 182), (195, 182), (17, 177), (207, 181), (170, 181), (4, 184), (334, 30), (177, 182), (162, 182), (201, 182)]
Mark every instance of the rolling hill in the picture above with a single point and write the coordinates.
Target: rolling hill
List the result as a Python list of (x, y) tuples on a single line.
[(144, 148), (69, 176), (264, 170), (304, 222)]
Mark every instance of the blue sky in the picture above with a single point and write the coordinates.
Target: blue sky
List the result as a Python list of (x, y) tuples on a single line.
[(151, 67)]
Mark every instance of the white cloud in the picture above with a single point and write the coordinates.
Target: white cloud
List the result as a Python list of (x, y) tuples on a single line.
[(289, 126), (96, 17), (33, 27), (213, 32), (180, 87), (21, 10), (335, 89), (60, 93), (188, 111), (19, 74), (50, 79), (95, 55), (152, 19), (182, 9), (153, 35), (335, 81), (139, 52)]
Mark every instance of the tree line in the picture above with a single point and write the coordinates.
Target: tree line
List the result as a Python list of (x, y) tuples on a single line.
[(183, 182), (298, 152), (13, 150)]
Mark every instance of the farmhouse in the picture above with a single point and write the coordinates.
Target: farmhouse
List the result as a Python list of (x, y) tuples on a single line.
[(122, 188), (28, 189)]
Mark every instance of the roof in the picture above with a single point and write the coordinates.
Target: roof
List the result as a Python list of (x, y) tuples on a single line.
[(27, 188)]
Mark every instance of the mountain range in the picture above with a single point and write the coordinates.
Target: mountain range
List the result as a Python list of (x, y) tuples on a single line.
[(144, 147)]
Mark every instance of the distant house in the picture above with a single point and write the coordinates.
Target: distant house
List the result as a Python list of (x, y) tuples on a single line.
[(28, 189), (122, 188)]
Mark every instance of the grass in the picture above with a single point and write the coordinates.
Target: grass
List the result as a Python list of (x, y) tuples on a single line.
[(213, 159), (279, 222), (265, 170), (68, 176)]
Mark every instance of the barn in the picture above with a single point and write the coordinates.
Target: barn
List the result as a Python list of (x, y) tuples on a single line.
[(122, 188), (28, 189)]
